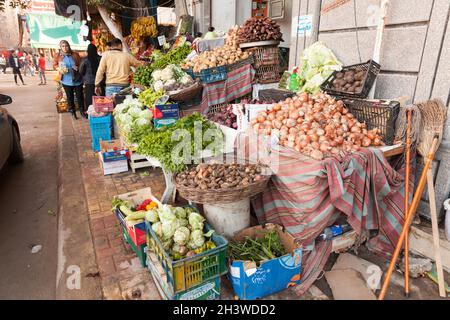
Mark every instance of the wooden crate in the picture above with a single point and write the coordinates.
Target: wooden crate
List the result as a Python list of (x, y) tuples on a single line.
[(138, 161)]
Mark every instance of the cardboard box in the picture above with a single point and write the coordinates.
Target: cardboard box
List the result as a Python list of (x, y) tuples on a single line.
[(137, 232), (251, 282), (246, 113), (113, 157)]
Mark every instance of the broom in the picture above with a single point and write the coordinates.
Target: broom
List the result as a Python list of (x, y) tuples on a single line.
[(433, 115)]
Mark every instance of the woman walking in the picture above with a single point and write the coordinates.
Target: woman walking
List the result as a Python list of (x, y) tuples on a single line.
[(88, 69), (68, 64), (15, 64), (41, 69)]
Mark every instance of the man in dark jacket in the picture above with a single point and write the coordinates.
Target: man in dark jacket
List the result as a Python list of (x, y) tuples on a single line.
[(15, 64)]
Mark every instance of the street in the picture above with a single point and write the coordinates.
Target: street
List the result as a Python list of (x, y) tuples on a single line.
[(28, 194)]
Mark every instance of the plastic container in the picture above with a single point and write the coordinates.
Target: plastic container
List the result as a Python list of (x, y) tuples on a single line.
[(212, 75), (447, 219), (190, 272), (101, 129), (102, 104), (334, 231), (381, 114), (140, 250), (227, 219)]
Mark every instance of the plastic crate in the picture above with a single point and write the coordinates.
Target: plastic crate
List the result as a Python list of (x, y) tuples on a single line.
[(266, 56), (140, 251), (372, 70), (240, 64), (215, 74), (209, 290), (268, 74), (101, 129), (275, 94), (381, 114), (190, 272), (102, 104)]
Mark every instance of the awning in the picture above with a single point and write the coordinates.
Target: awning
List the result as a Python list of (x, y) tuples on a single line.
[(47, 30)]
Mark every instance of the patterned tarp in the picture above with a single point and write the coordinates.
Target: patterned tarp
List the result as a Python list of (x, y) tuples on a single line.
[(237, 84)]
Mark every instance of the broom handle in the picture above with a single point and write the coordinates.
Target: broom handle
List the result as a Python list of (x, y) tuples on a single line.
[(411, 214), (435, 227), (406, 212)]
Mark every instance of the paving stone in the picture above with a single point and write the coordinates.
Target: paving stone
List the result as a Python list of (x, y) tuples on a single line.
[(106, 265), (101, 242), (112, 292)]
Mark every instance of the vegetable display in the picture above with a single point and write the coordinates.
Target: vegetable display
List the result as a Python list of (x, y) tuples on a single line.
[(257, 250), (220, 56), (315, 125), (317, 64), (160, 143), (351, 81), (143, 75), (226, 118), (180, 230), (221, 176), (133, 214), (170, 79), (149, 96), (260, 29), (131, 114)]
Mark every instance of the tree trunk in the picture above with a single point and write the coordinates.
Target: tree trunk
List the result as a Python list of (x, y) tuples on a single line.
[(112, 26)]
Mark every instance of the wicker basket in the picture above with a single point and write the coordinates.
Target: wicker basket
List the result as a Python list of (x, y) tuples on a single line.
[(221, 196), (187, 94)]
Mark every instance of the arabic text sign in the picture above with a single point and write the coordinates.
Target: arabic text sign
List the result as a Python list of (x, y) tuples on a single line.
[(302, 26)]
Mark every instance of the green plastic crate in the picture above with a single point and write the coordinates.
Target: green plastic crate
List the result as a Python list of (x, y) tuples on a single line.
[(139, 250), (190, 272)]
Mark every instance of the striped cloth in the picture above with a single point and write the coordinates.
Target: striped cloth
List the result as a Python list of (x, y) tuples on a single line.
[(305, 196), (237, 84)]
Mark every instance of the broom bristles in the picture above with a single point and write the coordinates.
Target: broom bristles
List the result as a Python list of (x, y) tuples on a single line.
[(402, 123), (434, 114)]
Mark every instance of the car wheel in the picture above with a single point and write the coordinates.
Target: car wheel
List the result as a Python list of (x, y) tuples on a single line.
[(17, 153)]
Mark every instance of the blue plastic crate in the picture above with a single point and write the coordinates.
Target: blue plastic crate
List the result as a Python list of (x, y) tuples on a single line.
[(101, 129)]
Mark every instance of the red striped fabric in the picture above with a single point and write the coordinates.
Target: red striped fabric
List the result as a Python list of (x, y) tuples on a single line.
[(237, 84)]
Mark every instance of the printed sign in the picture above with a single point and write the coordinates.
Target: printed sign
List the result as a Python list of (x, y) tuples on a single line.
[(302, 26), (162, 40)]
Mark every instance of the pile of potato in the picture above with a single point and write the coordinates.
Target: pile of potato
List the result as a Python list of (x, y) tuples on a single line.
[(221, 176), (316, 125), (351, 81), (221, 56), (260, 29)]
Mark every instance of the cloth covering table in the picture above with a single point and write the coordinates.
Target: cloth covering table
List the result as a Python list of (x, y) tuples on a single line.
[(237, 85), (306, 196)]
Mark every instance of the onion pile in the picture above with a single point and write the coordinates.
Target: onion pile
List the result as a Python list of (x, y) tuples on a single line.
[(226, 117), (316, 125)]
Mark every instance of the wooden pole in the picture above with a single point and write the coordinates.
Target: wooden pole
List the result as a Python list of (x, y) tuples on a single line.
[(435, 227), (407, 176), (411, 214)]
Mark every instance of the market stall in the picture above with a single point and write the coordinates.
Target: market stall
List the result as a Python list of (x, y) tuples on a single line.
[(267, 176)]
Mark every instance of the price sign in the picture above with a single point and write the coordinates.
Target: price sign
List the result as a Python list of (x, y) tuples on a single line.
[(302, 26), (162, 40)]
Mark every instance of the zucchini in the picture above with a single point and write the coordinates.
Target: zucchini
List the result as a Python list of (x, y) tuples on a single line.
[(125, 210), (136, 215)]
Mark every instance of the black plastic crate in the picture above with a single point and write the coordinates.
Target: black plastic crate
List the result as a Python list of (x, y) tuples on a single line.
[(372, 70), (381, 114), (275, 94)]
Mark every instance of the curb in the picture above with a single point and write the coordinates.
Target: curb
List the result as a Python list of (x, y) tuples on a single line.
[(77, 270)]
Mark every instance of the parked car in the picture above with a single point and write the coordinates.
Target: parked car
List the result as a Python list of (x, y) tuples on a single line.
[(10, 147)]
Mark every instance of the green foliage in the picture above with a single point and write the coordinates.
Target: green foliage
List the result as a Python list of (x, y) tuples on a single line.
[(143, 75), (160, 143)]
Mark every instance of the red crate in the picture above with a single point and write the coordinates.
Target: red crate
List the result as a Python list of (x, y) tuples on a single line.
[(102, 104)]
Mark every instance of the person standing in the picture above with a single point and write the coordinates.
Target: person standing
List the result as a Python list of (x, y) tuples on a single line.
[(68, 62), (3, 63), (88, 70), (41, 69), (116, 64), (15, 64)]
